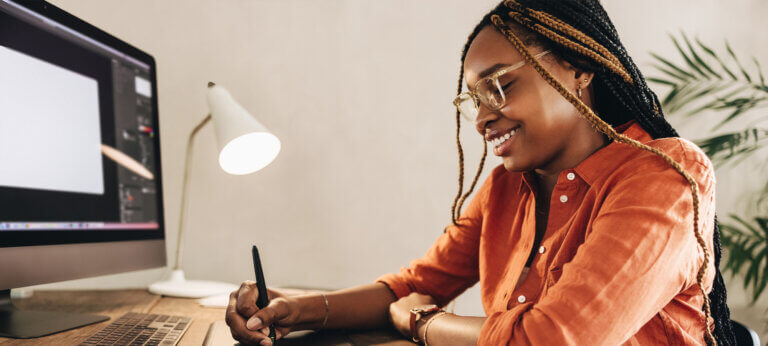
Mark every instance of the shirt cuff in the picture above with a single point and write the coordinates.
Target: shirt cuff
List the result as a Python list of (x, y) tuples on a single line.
[(396, 284), (498, 326)]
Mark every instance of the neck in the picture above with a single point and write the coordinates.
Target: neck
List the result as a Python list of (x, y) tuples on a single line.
[(582, 145)]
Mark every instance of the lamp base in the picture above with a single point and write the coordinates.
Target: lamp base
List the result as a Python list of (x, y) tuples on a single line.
[(177, 286)]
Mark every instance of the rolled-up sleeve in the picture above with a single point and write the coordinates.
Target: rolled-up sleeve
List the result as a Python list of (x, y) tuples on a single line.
[(450, 266), (638, 255)]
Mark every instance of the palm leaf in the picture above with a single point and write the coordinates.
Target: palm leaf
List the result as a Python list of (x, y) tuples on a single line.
[(725, 147), (738, 63), (759, 71), (697, 82), (698, 58), (714, 55), (738, 106), (660, 81), (747, 244), (677, 71), (688, 59), (715, 103)]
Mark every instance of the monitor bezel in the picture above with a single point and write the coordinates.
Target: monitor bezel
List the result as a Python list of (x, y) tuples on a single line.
[(36, 237)]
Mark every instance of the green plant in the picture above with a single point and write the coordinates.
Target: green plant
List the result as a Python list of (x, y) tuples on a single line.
[(747, 249), (709, 82)]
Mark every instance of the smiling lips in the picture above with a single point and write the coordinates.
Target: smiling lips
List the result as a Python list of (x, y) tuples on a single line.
[(499, 142)]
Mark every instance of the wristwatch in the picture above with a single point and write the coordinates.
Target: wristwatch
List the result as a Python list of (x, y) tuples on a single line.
[(417, 313)]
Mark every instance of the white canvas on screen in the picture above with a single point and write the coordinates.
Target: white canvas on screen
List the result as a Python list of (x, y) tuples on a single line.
[(50, 134)]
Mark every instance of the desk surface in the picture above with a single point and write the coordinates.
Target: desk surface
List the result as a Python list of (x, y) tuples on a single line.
[(114, 303)]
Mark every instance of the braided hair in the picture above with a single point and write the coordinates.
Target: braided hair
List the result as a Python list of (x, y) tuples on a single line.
[(580, 32)]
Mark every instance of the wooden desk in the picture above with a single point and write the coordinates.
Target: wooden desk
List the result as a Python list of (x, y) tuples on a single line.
[(114, 303)]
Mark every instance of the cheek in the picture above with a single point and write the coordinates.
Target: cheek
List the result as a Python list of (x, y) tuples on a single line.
[(547, 119), (537, 111), (552, 115)]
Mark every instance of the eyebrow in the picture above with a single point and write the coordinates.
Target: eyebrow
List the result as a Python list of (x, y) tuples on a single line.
[(492, 69), (487, 72), (498, 66)]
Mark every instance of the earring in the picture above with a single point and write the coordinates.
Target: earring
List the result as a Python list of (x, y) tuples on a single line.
[(578, 91)]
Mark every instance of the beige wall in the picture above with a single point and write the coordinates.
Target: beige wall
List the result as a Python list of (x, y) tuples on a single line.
[(359, 93)]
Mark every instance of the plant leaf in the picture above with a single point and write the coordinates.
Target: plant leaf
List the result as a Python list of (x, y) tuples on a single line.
[(661, 81), (728, 146), (698, 58), (759, 71), (714, 55), (673, 66), (687, 58), (736, 59)]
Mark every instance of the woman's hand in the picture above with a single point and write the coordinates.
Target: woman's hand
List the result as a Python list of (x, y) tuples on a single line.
[(400, 311), (250, 325)]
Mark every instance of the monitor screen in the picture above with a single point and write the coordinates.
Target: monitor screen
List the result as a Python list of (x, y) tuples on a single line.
[(79, 140)]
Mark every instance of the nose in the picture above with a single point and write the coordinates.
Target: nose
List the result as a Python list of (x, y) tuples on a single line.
[(484, 116)]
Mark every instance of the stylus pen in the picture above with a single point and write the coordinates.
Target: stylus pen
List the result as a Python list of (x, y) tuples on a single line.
[(263, 299)]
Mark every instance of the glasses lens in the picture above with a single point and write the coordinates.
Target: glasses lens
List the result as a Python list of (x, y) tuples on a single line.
[(467, 107), (491, 93)]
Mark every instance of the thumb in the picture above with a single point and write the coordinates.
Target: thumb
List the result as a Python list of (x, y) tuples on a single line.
[(276, 310)]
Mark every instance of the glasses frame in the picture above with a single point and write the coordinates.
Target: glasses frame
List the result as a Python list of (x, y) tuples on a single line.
[(493, 78)]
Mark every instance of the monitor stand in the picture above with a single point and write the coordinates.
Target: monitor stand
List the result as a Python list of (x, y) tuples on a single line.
[(24, 324)]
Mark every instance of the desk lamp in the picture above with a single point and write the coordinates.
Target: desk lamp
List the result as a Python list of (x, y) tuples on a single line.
[(245, 146)]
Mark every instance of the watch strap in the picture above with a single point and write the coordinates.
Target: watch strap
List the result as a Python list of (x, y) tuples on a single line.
[(416, 315)]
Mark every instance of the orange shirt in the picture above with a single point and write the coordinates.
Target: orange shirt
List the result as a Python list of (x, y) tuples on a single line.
[(616, 265)]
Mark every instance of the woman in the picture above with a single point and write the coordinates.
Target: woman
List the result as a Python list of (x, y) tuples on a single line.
[(599, 228)]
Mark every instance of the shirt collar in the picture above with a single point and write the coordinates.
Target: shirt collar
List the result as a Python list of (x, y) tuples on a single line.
[(603, 161), (606, 159)]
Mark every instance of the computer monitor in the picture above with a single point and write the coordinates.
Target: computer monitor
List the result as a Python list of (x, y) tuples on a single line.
[(80, 178)]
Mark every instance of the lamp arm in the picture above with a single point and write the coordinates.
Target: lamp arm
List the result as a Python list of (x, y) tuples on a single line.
[(185, 178)]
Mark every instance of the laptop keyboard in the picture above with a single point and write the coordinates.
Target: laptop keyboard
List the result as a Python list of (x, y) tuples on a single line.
[(135, 328)]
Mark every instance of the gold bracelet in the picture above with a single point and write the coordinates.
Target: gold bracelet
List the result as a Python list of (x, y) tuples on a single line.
[(426, 326), (325, 319)]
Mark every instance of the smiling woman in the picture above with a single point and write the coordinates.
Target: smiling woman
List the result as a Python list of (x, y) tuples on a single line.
[(598, 228), (542, 120)]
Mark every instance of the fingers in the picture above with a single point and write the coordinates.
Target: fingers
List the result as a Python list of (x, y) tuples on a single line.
[(280, 331), (246, 299), (237, 325), (276, 310)]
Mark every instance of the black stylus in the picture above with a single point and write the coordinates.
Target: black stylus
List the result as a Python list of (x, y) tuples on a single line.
[(263, 299)]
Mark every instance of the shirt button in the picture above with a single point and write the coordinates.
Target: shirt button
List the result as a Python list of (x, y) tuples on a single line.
[(563, 198), (542, 249), (571, 176), (521, 299)]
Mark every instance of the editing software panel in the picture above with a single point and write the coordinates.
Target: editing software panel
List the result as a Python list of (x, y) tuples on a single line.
[(135, 137), (77, 119)]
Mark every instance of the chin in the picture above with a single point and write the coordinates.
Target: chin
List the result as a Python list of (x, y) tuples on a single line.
[(512, 165)]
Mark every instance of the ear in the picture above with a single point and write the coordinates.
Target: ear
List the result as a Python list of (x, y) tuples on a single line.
[(578, 78), (583, 78)]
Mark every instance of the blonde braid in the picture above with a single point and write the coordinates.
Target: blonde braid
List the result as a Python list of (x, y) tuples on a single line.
[(474, 182), (572, 45), (564, 27), (608, 130), (454, 213)]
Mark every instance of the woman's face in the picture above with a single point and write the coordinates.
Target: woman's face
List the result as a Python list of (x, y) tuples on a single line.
[(548, 130)]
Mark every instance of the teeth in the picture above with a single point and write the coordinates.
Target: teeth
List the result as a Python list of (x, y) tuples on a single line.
[(497, 141)]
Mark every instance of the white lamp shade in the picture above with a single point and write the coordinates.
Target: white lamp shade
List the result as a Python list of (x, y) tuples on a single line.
[(245, 146)]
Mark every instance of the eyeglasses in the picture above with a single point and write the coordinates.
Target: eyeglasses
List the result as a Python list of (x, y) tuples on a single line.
[(489, 91)]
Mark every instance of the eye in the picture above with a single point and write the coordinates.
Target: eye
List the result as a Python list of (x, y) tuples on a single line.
[(507, 86), (507, 82)]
